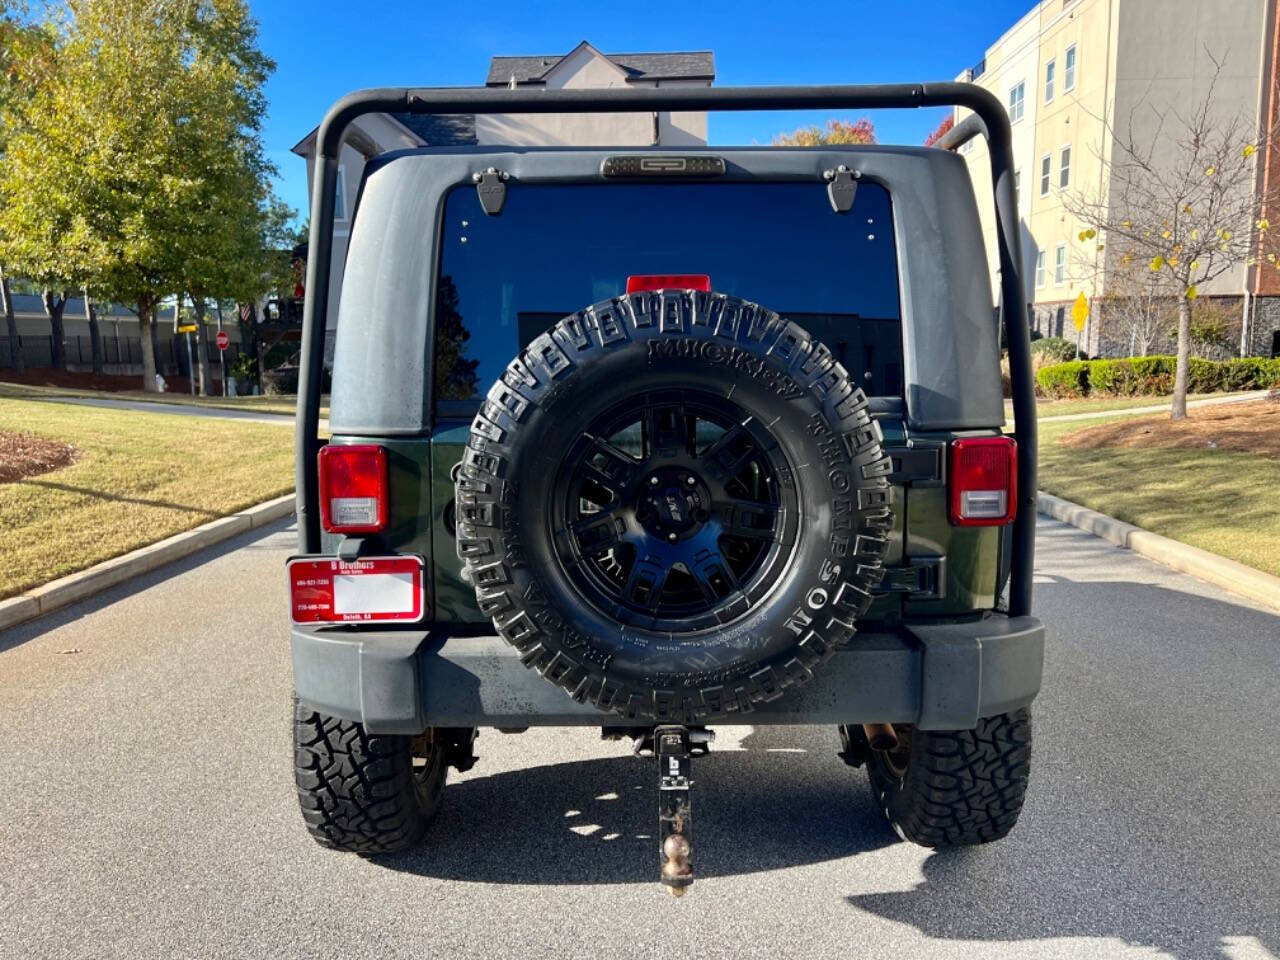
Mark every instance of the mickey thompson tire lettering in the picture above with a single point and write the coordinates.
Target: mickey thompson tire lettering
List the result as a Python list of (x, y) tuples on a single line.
[(620, 351)]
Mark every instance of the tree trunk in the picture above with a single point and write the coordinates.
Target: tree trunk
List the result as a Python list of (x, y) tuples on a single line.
[(158, 361), (95, 333), (16, 362), (147, 332), (53, 307), (1179, 411), (202, 344)]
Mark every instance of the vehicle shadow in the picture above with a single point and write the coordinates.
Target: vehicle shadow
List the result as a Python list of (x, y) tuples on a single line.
[(1151, 813), (784, 799)]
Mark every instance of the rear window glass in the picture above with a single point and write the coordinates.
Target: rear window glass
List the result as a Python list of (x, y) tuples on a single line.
[(557, 248)]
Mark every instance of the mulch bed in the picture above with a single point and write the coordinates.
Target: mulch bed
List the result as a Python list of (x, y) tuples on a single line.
[(1252, 427), (26, 455)]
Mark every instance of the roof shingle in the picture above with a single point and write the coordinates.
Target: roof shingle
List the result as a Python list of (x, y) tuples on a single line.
[(677, 65)]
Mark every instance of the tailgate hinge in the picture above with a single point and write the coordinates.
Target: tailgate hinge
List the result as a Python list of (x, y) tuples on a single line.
[(925, 578), (918, 463)]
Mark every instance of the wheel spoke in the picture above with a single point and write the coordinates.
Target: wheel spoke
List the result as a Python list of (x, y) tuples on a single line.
[(668, 430), (748, 519), (645, 582), (714, 577), (730, 453), (597, 533), (608, 467)]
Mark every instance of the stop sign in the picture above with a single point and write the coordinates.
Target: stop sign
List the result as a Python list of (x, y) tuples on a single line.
[(223, 340)]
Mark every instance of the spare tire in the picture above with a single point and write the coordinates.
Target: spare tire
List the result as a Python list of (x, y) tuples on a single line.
[(674, 505)]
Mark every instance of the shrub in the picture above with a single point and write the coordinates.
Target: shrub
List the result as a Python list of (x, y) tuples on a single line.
[(1251, 373), (1116, 378), (1205, 376), (1064, 379), (1055, 349), (1153, 376)]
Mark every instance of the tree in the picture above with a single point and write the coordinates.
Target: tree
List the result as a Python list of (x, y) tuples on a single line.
[(456, 377), (234, 250), (1182, 203), (137, 154), (16, 34), (940, 131), (1134, 313), (835, 131)]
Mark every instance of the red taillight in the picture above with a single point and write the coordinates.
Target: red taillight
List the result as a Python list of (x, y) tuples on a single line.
[(669, 281), (353, 488), (984, 481)]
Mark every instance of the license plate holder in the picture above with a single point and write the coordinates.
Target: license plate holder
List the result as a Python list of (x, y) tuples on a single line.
[(365, 590)]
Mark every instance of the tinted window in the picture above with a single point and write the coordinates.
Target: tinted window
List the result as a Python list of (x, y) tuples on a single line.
[(557, 248)]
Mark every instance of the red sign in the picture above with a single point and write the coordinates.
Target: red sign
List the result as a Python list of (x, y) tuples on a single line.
[(329, 590), (223, 340)]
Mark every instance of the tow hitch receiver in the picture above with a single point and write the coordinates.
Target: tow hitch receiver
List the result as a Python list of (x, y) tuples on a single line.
[(674, 747)]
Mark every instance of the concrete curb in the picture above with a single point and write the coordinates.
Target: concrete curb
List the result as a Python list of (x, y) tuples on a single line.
[(1261, 588), (76, 586)]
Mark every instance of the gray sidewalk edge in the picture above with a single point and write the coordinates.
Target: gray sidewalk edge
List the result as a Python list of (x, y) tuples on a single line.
[(85, 583), (1261, 588)]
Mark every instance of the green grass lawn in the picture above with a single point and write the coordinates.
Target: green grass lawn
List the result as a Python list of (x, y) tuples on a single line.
[(1223, 501), (140, 477), (261, 404)]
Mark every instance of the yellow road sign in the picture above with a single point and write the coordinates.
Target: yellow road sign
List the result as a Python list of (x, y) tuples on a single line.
[(1080, 311), (191, 327)]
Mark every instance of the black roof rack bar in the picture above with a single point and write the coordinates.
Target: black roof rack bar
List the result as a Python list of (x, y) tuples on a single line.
[(964, 131), (489, 100)]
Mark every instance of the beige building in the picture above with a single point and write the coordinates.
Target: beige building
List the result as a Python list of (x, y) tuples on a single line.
[(583, 67), (1069, 72)]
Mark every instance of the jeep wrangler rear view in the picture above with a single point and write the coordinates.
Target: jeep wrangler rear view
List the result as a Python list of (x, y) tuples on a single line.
[(649, 440)]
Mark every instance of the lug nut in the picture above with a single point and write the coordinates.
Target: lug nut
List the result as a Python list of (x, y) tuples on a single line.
[(690, 481), (672, 537), (653, 481)]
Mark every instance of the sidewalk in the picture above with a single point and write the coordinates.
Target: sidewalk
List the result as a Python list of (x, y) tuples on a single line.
[(179, 409), (1157, 408)]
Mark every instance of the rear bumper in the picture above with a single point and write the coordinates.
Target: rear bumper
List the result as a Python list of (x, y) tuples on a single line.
[(936, 676)]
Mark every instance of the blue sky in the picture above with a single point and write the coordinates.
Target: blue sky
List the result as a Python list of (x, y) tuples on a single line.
[(322, 51)]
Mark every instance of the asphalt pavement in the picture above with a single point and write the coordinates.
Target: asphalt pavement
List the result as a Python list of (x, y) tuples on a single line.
[(148, 807)]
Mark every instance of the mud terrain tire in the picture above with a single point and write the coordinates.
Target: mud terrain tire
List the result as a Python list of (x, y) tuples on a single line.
[(678, 363)]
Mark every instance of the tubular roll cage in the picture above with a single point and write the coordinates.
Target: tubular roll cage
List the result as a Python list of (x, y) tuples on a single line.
[(989, 120)]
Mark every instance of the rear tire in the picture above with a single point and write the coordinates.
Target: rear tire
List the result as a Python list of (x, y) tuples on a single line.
[(362, 792), (955, 788)]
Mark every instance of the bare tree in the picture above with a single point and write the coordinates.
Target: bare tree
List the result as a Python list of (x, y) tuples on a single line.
[(1183, 202)]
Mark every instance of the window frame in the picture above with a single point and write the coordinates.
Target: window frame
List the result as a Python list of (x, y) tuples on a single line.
[(1069, 65), (1019, 88), (1050, 75), (1064, 168), (1042, 268), (1060, 265), (1046, 174)]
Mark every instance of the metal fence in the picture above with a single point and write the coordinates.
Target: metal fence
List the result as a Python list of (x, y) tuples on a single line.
[(37, 351)]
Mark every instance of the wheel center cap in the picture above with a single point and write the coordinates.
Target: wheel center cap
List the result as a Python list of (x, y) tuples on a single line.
[(672, 502)]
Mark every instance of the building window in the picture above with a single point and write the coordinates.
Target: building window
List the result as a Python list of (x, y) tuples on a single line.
[(1016, 96), (1046, 162), (1069, 69), (1017, 188), (1064, 167), (1040, 268), (340, 195), (1060, 265), (1050, 69)]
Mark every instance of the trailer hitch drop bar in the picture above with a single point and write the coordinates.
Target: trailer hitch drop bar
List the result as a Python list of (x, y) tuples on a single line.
[(674, 747)]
